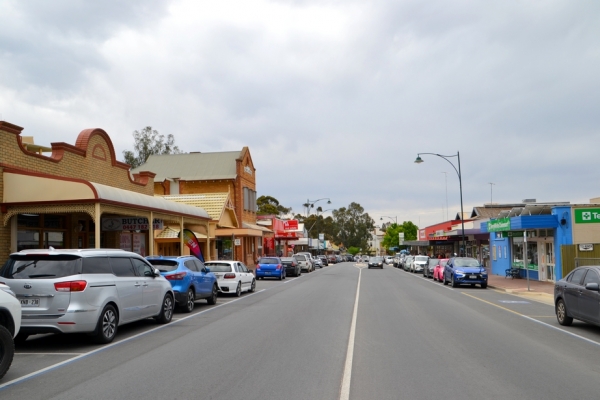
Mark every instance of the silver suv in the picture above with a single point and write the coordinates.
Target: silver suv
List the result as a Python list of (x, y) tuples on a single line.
[(93, 291)]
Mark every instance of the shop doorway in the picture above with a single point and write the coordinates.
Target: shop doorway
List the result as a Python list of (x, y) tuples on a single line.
[(547, 263)]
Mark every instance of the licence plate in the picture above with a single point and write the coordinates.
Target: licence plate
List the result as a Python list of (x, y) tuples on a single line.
[(30, 302), (472, 276), (267, 273)]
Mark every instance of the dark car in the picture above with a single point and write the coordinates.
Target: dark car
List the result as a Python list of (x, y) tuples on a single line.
[(376, 262), (429, 267), (577, 296), (465, 271), (291, 265), (349, 257), (324, 260)]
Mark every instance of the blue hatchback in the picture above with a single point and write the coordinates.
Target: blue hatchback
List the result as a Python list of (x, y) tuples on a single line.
[(190, 279), (465, 271), (270, 267)]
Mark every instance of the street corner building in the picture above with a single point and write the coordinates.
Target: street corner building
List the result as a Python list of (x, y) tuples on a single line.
[(80, 196)]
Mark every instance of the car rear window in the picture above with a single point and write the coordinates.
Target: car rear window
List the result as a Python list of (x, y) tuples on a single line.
[(164, 265), (218, 267), (421, 258), (268, 261), (300, 257), (40, 267)]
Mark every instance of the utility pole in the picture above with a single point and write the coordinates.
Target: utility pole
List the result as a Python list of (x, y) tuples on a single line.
[(491, 193)]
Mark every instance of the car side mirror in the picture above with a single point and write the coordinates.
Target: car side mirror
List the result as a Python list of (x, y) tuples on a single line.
[(156, 272), (592, 286), (206, 270)]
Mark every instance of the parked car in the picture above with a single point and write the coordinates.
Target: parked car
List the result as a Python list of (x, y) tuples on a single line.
[(232, 276), (309, 258), (338, 258), (419, 263), (463, 271), (10, 323), (389, 260), (365, 258), (305, 264), (317, 262), (270, 267), (375, 262), (429, 267), (407, 265), (349, 257), (577, 296), (357, 258), (92, 291), (189, 278), (331, 259), (291, 265), (324, 260), (438, 270)]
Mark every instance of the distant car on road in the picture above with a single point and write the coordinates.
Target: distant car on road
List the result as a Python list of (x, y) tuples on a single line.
[(375, 262), (407, 264), (438, 270), (419, 263), (317, 262), (305, 264), (465, 271), (324, 260), (292, 267), (232, 276), (429, 267), (270, 267), (189, 278), (577, 296)]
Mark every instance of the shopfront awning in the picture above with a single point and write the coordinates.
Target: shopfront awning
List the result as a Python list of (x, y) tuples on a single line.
[(170, 233), (247, 229), (21, 189)]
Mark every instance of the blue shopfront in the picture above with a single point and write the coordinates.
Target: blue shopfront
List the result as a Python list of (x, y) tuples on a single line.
[(530, 243)]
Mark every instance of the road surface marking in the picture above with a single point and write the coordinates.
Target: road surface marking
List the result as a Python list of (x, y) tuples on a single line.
[(346, 378)]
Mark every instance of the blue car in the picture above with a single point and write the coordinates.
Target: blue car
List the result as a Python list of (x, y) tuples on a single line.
[(270, 267), (465, 271), (190, 279)]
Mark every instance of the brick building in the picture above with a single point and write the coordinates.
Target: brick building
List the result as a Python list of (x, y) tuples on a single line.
[(81, 196), (188, 177)]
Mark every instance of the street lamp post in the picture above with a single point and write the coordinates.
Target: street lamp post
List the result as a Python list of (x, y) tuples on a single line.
[(311, 203), (419, 160), (392, 218)]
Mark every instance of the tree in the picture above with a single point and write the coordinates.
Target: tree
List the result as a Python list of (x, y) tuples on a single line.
[(391, 238), (268, 205), (353, 226), (149, 142), (353, 250)]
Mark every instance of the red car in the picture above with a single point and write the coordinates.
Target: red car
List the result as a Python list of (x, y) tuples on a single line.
[(438, 270)]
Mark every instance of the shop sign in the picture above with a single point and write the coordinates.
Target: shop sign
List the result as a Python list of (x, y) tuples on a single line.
[(587, 215), (139, 244), (501, 224), (401, 238), (291, 225), (238, 242), (422, 235), (125, 241), (586, 247), (321, 236), (129, 224), (513, 234)]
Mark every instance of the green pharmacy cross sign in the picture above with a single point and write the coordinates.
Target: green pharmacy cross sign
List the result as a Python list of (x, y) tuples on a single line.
[(498, 225), (587, 215)]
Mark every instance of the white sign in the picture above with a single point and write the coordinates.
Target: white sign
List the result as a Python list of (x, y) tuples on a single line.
[(321, 236), (129, 224), (238, 242), (401, 237), (586, 247), (248, 170)]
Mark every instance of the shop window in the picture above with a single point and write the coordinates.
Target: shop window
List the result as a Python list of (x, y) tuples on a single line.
[(54, 239), (28, 221)]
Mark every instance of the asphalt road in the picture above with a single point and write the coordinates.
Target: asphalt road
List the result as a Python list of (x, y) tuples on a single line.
[(410, 338)]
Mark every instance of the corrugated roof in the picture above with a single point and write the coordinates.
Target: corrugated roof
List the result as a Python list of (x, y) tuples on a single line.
[(170, 233), (192, 166), (212, 203)]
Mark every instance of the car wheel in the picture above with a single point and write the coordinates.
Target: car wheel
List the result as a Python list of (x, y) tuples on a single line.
[(189, 301), (7, 350), (445, 281), (284, 275), (213, 296), (21, 338), (238, 290), (561, 313), (484, 285), (454, 284), (107, 325), (253, 286), (166, 310)]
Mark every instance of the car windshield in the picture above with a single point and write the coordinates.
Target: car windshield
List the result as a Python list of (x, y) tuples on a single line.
[(375, 259), (32, 267), (421, 258), (466, 262), (218, 266), (268, 261), (164, 265)]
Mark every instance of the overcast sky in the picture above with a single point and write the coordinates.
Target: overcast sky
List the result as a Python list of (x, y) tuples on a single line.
[(333, 98)]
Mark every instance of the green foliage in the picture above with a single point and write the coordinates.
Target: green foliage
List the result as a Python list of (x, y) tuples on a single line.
[(391, 235), (353, 250), (149, 142), (353, 226), (268, 205)]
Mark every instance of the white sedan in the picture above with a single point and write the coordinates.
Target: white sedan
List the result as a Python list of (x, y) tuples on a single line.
[(232, 276), (10, 323)]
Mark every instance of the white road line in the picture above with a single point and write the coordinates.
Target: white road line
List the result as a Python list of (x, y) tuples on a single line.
[(108, 346), (48, 354), (347, 377)]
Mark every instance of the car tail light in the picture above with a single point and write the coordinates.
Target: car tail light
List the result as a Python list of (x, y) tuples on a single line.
[(257, 267), (176, 277), (229, 276), (278, 267), (70, 286)]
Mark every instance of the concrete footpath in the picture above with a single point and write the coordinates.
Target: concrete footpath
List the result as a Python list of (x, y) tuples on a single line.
[(541, 291)]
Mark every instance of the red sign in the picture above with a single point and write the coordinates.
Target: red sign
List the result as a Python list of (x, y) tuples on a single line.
[(291, 225)]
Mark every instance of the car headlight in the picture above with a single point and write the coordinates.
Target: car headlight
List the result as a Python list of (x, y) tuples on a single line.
[(483, 272), (7, 290), (459, 272)]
